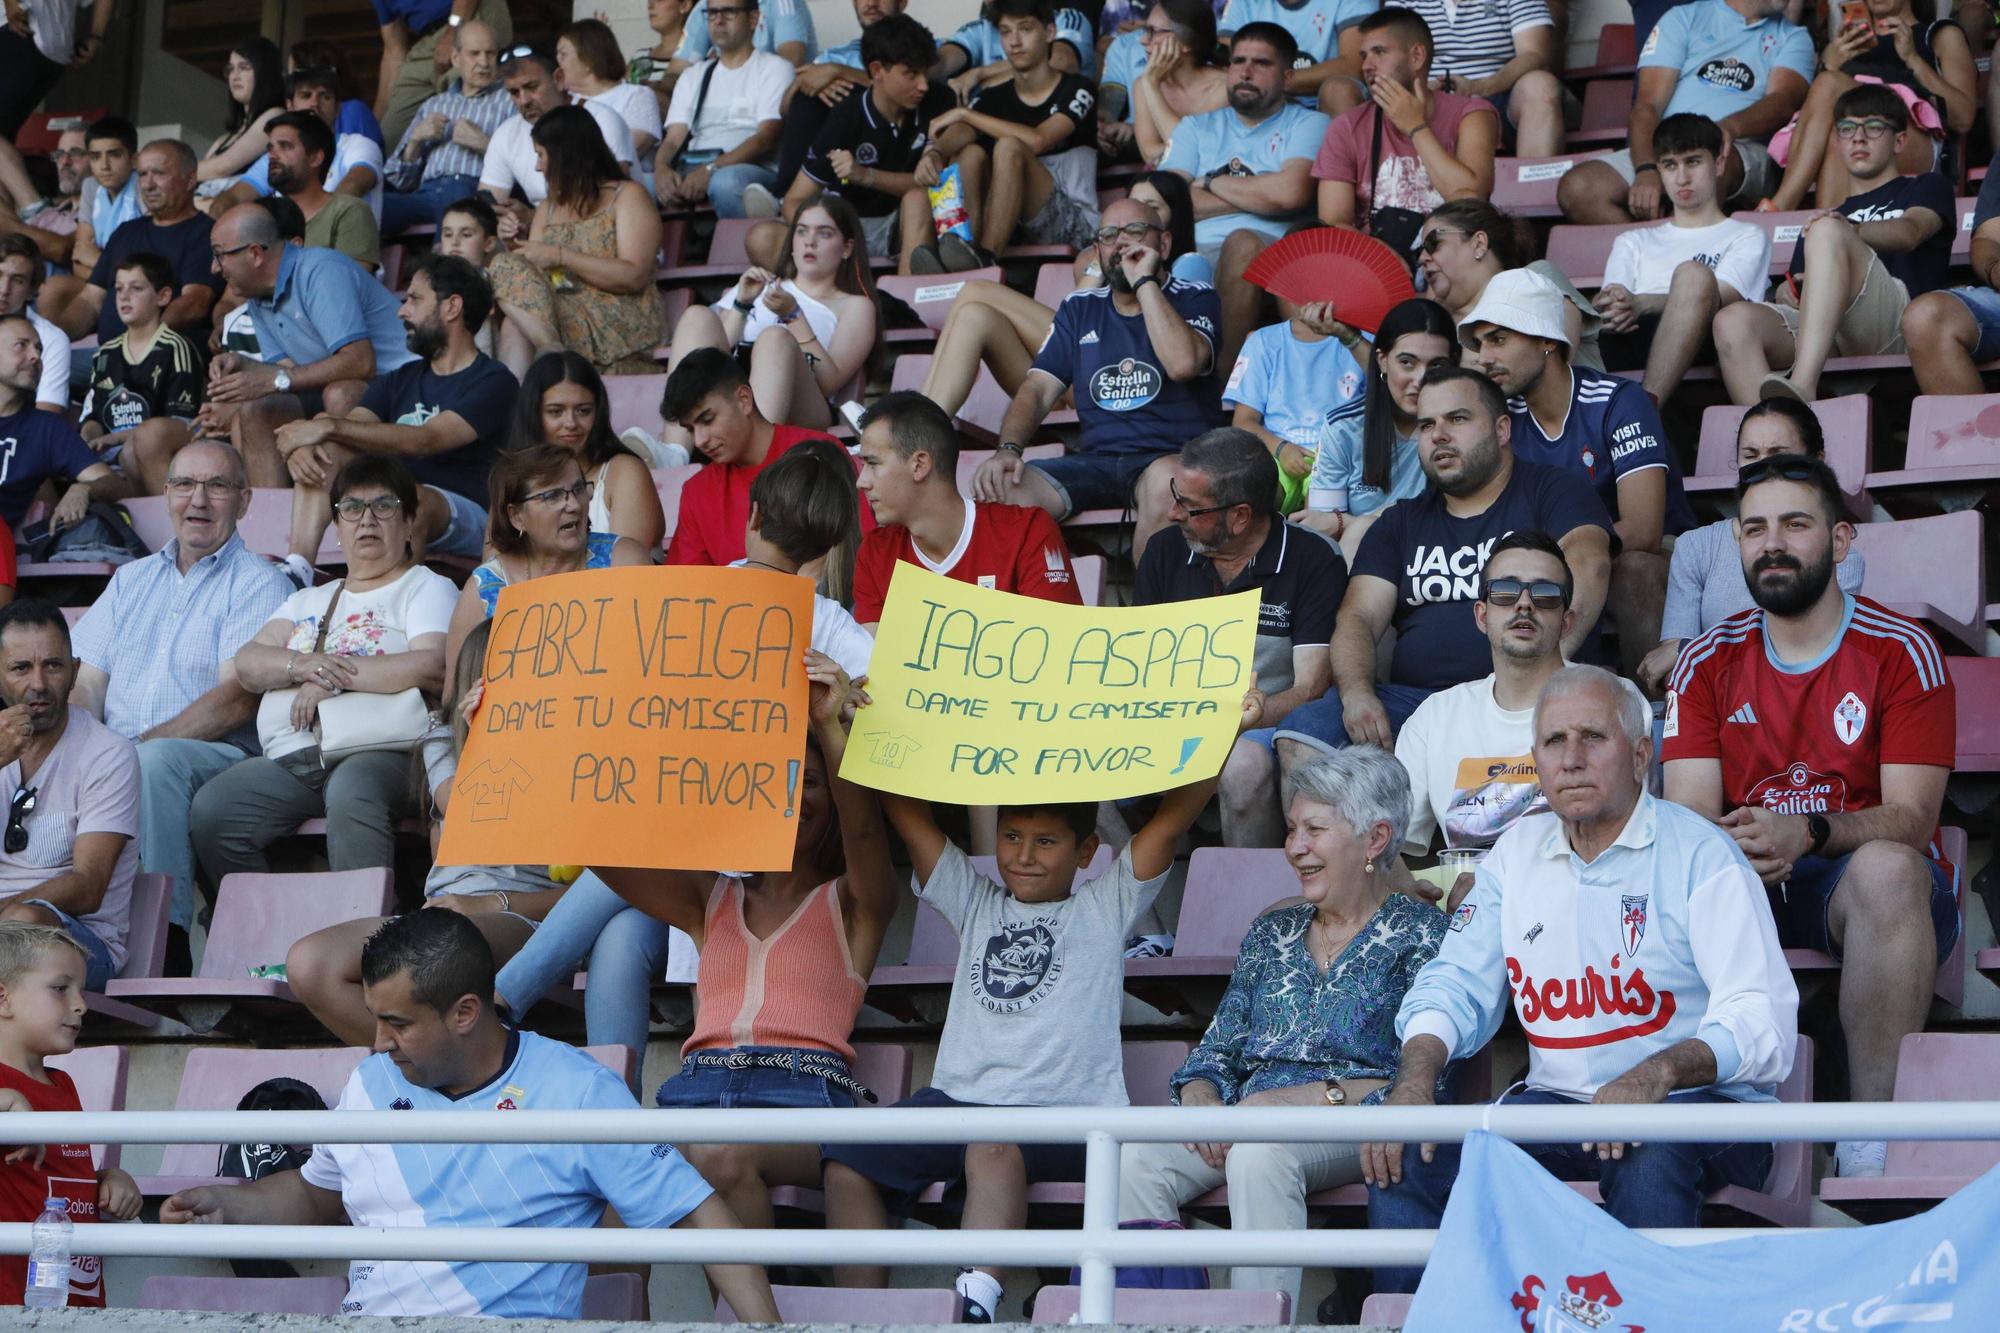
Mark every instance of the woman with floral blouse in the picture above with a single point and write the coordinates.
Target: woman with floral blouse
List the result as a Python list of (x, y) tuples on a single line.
[(1309, 1018)]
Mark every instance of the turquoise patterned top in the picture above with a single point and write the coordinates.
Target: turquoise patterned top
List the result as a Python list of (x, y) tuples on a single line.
[(1282, 1022), (491, 577)]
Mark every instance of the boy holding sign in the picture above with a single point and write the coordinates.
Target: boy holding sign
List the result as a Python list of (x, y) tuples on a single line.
[(1034, 1009)]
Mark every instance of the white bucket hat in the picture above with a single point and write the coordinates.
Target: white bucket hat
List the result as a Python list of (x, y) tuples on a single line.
[(1521, 300)]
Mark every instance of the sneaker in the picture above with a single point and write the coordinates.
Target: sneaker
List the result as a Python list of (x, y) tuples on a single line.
[(1859, 1157), (1776, 385), (972, 1312), (959, 254), (926, 260), (759, 202)]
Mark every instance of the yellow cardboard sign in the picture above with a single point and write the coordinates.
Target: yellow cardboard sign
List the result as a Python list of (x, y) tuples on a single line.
[(985, 698), (638, 717)]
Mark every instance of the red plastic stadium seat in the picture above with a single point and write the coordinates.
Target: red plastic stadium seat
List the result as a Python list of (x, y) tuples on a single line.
[(215, 1079), (244, 1295), (1931, 569), (1526, 186), (1607, 111), (931, 295), (1954, 445), (1978, 682), (1387, 1309), (1617, 53), (257, 920), (1218, 1308), (858, 1305), (1930, 1067), (1848, 423), (99, 1074), (635, 401)]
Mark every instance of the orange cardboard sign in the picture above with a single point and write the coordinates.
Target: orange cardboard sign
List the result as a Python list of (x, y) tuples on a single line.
[(638, 717)]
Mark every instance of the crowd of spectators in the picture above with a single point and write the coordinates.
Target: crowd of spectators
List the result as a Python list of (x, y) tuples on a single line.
[(1491, 628)]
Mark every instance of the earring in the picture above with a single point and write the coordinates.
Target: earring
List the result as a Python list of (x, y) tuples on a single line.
[(1370, 867)]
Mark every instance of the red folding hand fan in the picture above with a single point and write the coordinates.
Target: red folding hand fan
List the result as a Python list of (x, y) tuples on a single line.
[(1361, 276)]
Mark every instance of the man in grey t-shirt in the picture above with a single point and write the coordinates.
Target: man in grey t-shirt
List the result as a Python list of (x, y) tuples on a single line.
[(1035, 1002)]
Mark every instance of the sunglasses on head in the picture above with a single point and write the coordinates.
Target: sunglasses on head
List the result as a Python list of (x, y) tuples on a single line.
[(18, 810), (1545, 594), (1791, 467)]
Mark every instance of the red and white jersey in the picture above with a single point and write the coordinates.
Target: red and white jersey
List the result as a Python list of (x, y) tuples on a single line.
[(1812, 737), (1009, 548)]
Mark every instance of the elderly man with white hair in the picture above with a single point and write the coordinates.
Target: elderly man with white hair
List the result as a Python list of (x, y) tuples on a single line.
[(1642, 961)]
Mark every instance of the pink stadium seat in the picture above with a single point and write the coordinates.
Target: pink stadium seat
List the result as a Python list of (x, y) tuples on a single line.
[(931, 295), (727, 257), (1950, 985), (1617, 53), (145, 948), (1140, 1305), (1089, 578), (884, 1069), (72, 614), (1526, 186), (244, 1295), (1931, 569), (215, 1079), (1848, 423), (614, 1297), (984, 407), (149, 520), (635, 401), (1978, 682), (99, 1074), (858, 1305), (668, 482), (618, 1058), (1954, 448), (1053, 282), (1931, 1067), (1227, 889), (257, 920), (1607, 107), (1386, 1309)]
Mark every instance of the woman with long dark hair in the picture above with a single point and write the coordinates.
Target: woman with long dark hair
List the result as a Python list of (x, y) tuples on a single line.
[(803, 333), (1368, 460), (584, 278), (256, 78), (563, 402)]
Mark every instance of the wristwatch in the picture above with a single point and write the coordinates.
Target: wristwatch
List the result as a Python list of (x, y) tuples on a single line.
[(1335, 1094), (283, 383), (1143, 279), (1008, 446), (1819, 828), (455, 21)]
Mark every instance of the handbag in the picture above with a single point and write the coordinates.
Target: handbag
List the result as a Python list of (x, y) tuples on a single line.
[(1397, 228), (362, 723)]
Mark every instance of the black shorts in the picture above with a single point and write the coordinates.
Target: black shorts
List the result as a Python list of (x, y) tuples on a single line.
[(903, 1171)]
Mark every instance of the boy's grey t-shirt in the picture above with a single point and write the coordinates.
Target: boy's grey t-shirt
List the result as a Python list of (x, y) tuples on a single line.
[(1036, 1000)]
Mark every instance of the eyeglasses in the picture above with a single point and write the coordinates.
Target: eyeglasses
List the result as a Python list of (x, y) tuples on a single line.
[(555, 495), (1435, 237), (221, 255), (1155, 30), (1136, 230), (729, 11), (1790, 467), (218, 488), (1870, 128), (18, 810), (1546, 594), (382, 506), (1181, 503)]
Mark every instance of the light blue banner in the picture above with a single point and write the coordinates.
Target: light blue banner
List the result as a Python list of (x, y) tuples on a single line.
[(1519, 1250)]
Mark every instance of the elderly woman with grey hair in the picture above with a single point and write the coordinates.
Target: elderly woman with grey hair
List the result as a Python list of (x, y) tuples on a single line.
[(1309, 1018)]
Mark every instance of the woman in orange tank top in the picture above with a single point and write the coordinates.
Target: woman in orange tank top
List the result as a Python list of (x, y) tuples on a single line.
[(785, 958)]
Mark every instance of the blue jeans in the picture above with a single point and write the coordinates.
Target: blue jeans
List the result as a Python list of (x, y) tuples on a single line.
[(171, 771), (727, 184), (1653, 1185), (626, 950), (97, 968), (425, 205), (700, 1085), (1322, 723)]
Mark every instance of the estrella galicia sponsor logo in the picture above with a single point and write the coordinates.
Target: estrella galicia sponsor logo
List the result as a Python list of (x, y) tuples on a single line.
[(1126, 386), (1021, 965), (1729, 73)]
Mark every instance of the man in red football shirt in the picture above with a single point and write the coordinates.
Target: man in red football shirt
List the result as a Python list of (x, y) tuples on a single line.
[(1819, 730), (909, 478), (709, 394)]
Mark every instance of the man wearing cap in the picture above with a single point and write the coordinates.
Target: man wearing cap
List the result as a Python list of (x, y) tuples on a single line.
[(1600, 426)]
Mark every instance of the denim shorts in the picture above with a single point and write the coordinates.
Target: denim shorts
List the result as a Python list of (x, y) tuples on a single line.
[(1984, 305), (1800, 905), (905, 1170), (1094, 480), (98, 969), (465, 535), (699, 1085)]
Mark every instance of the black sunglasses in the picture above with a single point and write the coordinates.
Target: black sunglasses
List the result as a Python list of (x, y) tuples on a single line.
[(18, 810), (1791, 467), (1546, 594)]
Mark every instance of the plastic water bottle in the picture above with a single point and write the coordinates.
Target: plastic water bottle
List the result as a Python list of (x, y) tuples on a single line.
[(48, 1258)]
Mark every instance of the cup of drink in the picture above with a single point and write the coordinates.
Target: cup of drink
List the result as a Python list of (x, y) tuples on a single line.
[(1456, 861)]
